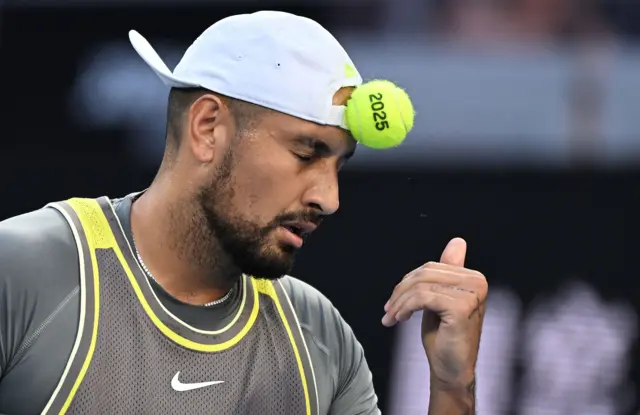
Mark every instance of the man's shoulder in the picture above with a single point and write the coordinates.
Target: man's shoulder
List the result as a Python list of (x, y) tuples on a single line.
[(339, 359), (35, 245), (317, 315), (32, 223), (305, 298), (34, 232), (39, 274)]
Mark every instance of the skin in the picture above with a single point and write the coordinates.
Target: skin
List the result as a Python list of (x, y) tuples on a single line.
[(452, 299), (215, 210)]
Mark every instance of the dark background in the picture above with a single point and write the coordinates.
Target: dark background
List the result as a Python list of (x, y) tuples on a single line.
[(531, 227)]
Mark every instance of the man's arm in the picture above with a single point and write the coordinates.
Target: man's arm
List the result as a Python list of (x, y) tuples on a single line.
[(343, 378), (452, 300), (356, 395), (14, 301), (449, 399), (39, 307)]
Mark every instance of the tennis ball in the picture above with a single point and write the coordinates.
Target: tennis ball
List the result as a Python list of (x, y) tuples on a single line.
[(379, 114)]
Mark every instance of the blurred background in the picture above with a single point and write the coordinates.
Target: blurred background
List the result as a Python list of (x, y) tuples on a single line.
[(527, 144)]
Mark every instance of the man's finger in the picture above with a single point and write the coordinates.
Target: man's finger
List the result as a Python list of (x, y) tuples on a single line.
[(455, 252), (451, 268), (436, 276), (434, 301), (452, 291), (400, 295)]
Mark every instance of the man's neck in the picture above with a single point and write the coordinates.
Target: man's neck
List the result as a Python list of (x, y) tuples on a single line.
[(164, 233)]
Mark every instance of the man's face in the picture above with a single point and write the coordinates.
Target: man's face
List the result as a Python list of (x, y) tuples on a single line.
[(272, 188)]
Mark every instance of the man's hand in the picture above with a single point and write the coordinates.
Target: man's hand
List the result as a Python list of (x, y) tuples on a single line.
[(453, 302)]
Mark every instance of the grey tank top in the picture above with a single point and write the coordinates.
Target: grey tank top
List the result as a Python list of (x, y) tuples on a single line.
[(132, 356)]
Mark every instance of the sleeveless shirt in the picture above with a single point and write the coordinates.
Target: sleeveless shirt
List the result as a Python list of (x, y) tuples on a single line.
[(131, 355)]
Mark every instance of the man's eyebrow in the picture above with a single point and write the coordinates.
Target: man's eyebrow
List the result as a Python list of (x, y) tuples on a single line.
[(320, 147)]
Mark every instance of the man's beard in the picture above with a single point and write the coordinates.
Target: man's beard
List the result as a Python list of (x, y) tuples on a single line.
[(247, 247)]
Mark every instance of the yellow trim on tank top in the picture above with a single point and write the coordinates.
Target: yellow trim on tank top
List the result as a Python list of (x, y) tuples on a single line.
[(92, 224), (100, 236), (243, 300), (103, 230), (266, 287)]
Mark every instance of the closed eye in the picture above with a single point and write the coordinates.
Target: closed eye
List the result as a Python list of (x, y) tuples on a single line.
[(304, 158)]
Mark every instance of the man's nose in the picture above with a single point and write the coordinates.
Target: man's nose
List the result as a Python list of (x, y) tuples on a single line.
[(323, 197)]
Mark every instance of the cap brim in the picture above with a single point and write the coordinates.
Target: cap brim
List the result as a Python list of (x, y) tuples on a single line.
[(151, 57)]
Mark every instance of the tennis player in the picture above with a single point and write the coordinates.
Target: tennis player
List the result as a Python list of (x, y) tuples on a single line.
[(175, 300)]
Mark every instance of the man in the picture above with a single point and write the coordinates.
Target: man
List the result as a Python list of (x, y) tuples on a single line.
[(175, 299)]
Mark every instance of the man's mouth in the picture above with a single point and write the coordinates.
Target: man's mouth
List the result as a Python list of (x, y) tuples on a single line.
[(301, 229)]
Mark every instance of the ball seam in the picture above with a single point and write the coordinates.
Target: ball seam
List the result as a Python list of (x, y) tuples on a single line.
[(395, 95), (361, 132)]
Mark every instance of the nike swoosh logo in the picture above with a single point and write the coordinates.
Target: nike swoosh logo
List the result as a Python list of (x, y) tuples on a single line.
[(182, 387)]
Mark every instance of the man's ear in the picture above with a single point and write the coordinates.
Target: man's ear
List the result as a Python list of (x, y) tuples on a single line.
[(208, 122)]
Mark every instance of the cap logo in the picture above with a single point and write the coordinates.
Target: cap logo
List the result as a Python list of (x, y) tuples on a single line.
[(349, 70)]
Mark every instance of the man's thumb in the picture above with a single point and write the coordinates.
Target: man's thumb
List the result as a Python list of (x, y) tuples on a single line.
[(455, 252)]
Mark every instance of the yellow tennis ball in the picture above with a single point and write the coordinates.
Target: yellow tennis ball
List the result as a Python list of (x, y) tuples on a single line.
[(379, 114)]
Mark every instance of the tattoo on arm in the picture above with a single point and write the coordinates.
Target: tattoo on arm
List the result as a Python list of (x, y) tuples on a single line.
[(471, 390), (457, 401), (471, 387)]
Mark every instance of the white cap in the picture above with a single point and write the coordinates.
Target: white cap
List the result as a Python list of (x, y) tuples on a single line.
[(278, 60)]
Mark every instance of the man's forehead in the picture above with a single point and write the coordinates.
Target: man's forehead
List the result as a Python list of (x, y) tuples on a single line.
[(288, 127), (336, 140)]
